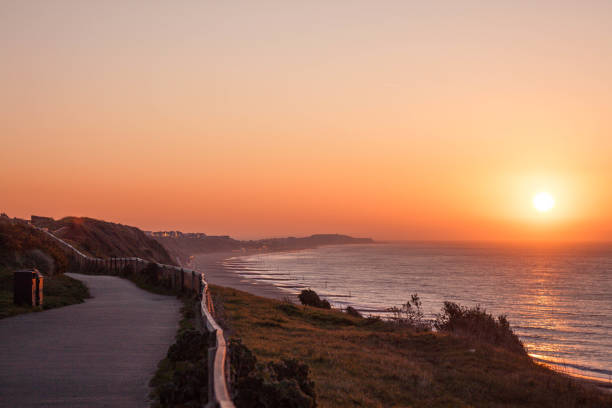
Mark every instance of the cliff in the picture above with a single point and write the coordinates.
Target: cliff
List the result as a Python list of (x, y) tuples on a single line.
[(183, 245), (105, 239)]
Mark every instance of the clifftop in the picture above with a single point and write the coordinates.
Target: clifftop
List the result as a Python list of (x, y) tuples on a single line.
[(105, 239)]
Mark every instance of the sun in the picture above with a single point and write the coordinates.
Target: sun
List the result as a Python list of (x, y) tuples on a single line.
[(543, 202)]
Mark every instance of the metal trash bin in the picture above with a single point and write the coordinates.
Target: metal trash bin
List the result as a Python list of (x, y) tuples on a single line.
[(28, 287)]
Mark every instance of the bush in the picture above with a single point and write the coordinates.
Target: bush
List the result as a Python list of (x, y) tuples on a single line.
[(183, 380), (149, 278), (275, 384), (191, 345), (477, 324), (309, 297), (189, 385), (151, 275), (353, 312), (411, 314)]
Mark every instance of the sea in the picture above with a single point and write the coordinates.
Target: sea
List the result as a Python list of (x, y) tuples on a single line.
[(558, 298)]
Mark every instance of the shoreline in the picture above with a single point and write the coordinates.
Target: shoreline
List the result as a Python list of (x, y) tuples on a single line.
[(211, 263), (218, 274)]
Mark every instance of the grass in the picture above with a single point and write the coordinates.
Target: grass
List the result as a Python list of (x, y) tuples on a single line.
[(358, 362), (181, 377), (59, 290), (106, 239)]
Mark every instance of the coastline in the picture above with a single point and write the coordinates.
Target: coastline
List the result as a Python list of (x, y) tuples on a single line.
[(211, 263), (218, 274)]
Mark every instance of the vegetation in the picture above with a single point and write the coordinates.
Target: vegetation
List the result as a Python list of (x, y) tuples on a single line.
[(59, 290), (149, 279), (357, 361), (273, 384), (310, 298), (353, 312), (22, 246), (105, 239), (478, 325), (181, 379), (410, 314)]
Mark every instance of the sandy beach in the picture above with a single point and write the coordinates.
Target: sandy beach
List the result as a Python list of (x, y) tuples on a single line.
[(216, 274)]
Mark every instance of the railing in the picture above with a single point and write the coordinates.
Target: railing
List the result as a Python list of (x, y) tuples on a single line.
[(180, 279)]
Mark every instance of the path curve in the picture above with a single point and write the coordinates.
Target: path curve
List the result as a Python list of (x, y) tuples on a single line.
[(101, 353)]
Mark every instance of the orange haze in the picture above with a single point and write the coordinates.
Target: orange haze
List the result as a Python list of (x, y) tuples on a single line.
[(408, 120)]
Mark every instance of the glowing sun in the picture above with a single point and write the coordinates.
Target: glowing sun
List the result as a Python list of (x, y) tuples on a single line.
[(543, 202)]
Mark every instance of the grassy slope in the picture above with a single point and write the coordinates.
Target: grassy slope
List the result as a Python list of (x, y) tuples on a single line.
[(17, 241), (59, 290), (356, 362), (107, 239)]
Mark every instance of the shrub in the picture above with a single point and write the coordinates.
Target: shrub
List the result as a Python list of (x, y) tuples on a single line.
[(477, 324), (191, 345), (151, 275), (309, 297), (275, 384), (184, 378), (188, 387), (411, 314), (353, 312), (242, 361)]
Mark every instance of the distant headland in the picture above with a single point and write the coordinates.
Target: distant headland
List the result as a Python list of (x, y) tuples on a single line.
[(183, 245)]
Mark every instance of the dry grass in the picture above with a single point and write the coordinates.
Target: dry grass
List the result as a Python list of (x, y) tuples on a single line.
[(59, 290), (361, 362), (107, 239)]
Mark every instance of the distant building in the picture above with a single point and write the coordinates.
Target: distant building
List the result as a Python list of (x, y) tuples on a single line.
[(176, 234)]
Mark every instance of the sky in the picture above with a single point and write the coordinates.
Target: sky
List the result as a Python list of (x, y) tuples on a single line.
[(396, 120)]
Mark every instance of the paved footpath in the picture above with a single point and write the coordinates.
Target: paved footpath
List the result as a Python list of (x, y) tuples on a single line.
[(101, 353)]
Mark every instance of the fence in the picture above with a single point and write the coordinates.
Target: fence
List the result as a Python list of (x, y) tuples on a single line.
[(180, 279)]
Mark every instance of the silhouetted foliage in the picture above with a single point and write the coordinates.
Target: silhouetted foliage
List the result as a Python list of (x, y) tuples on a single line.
[(411, 314), (477, 324), (149, 278), (353, 312), (191, 345), (310, 298), (185, 383), (275, 384), (242, 360)]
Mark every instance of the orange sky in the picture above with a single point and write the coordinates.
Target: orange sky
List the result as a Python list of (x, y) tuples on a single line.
[(394, 120)]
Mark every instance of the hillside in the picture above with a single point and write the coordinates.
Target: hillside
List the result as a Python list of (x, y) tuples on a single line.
[(358, 362), (105, 239), (183, 245), (23, 247)]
